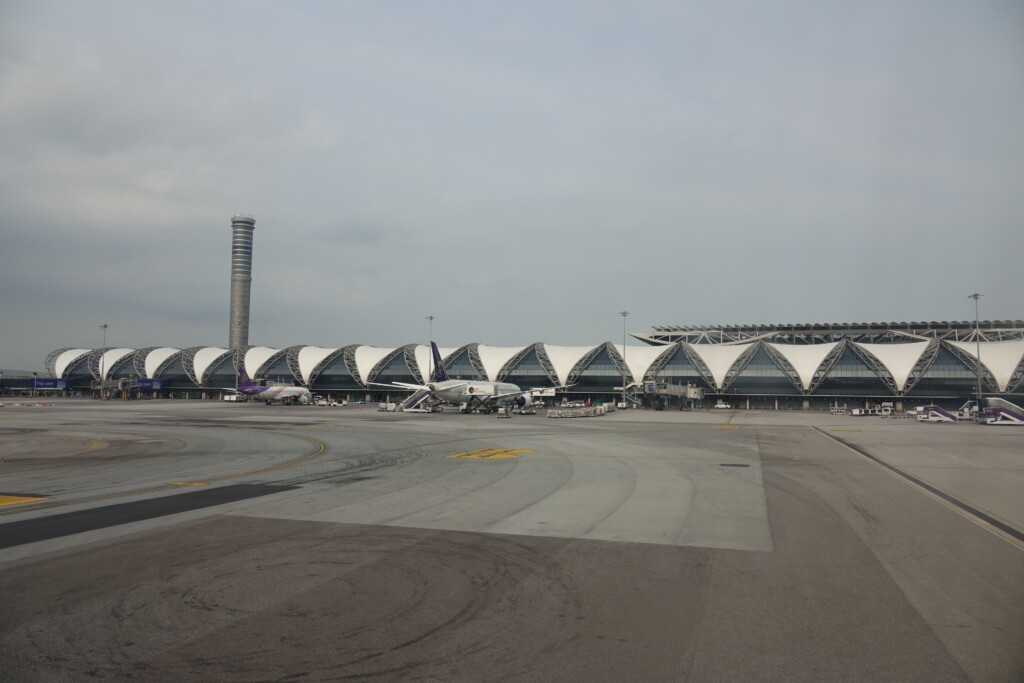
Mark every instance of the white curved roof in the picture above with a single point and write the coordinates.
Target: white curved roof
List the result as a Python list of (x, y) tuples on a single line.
[(366, 358), (423, 360), (565, 358), (1001, 358), (899, 359), (255, 358), (65, 359), (805, 358), (110, 357), (203, 358), (495, 357), (639, 358), (157, 356), (719, 358), (309, 358)]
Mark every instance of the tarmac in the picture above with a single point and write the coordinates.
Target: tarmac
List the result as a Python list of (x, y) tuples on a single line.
[(210, 541)]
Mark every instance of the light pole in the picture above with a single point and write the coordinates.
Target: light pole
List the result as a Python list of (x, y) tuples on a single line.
[(103, 352), (977, 341), (430, 350), (624, 314)]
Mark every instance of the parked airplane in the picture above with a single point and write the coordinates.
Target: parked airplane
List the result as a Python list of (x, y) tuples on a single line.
[(284, 394), (468, 395)]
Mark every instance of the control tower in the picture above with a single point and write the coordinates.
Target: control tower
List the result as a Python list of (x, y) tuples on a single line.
[(242, 228)]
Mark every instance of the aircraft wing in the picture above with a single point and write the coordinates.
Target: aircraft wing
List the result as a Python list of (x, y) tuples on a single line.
[(500, 396), (400, 385)]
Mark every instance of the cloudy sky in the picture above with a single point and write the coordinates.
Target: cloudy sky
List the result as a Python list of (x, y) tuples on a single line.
[(522, 171)]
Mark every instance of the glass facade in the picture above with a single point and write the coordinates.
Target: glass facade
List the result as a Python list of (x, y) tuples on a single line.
[(459, 367), (277, 372), (528, 372), (947, 377), (396, 370), (600, 375), (174, 376), (336, 376), (762, 377), (679, 370), (124, 368), (851, 377), (222, 374)]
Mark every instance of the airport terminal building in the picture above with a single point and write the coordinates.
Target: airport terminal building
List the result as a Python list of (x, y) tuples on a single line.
[(806, 366)]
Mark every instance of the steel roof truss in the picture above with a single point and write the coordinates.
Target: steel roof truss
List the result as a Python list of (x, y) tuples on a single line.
[(785, 366), (878, 367), (829, 362), (922, 365)]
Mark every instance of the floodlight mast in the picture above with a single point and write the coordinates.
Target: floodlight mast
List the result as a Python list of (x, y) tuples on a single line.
[(103, 352), (430, 349), (624, 314), (977, 342)]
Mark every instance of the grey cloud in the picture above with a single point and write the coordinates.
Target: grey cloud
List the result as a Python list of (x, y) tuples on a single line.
[(690, 163)]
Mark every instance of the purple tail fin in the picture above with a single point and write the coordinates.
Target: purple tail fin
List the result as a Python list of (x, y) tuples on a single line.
[(243, 379), (439, 374)]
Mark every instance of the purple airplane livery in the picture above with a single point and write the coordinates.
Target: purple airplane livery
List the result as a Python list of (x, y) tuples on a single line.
[(284, 394)]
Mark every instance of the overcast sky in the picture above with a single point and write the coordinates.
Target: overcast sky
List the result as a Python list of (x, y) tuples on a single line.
[(522, 171)]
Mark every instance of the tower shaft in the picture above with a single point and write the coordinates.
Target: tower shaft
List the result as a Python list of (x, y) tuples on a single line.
[(242, 228)]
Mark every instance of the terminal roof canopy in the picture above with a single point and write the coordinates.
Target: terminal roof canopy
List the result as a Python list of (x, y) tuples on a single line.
[(565, 358), (204, 357), (805, 358), (367, 358), (495, 357), (67, 358), (256, 357), (719, 358), (639, 358), (899, 359), (156, 357), (1001, 358), (309, 358)]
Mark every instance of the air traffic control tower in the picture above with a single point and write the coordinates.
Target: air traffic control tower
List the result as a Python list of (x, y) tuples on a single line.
[(242, 228)]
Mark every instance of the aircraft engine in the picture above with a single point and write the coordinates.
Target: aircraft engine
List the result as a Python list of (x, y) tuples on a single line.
[(524, 400)]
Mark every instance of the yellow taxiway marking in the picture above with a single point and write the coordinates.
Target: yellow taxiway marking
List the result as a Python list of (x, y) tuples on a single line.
[(14, 500), (186, 483), (492, 453), (728, 424)]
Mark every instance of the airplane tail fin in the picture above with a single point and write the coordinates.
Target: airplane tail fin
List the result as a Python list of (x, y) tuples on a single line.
[(440, 375), (243, 379)]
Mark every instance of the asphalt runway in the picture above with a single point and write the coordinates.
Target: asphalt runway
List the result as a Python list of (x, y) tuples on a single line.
[(206, 541)]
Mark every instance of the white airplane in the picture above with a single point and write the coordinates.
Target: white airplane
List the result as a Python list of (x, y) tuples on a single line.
[(468, 395), (284, 394)]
